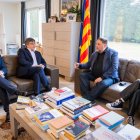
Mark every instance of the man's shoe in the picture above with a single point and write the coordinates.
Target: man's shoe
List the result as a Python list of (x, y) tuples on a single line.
[(7, 117), (117, 105), (130, 120)]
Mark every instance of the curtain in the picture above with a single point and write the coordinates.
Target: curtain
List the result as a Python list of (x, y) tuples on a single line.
[(47, 9), (23, 24), (96, 15)]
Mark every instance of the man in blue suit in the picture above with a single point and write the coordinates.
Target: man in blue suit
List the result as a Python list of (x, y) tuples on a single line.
[(103, 71), (6, 89), (32, 66)]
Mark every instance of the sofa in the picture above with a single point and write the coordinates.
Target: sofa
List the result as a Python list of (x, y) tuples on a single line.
[(25, 86), (129, 71)]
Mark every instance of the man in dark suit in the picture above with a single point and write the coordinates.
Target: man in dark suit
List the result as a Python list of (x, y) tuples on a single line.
[(103, 71), (32, 66), (6, 88)]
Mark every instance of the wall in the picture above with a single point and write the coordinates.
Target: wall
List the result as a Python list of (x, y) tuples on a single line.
[(41, 3), (11, 17)]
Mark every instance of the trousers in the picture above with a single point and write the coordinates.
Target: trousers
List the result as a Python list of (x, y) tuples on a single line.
[(6, 89), (96, 91), (132, 93)]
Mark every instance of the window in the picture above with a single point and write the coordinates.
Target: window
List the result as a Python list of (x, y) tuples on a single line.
[(35, 18), (121, 27)]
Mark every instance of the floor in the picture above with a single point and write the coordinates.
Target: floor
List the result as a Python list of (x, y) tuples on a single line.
[(6, 134)]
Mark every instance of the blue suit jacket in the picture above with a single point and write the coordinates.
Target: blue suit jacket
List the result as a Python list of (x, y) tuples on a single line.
[(2, 66), (110, 63), (25, 61)]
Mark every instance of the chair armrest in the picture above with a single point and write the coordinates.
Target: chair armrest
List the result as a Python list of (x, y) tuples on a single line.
[(77, 80), (54, 74)]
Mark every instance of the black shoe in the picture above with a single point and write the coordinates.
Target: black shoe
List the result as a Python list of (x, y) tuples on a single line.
[(117, 105), (32, 97), (130, 120), (7, 117), (48, 88)]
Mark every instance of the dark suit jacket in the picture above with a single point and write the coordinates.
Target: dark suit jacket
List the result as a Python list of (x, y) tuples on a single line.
[(110, 63), (25, 61), (2, 66)]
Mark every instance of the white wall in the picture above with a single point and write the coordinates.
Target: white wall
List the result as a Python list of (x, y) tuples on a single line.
[(41, 3), (11, 16), (34, 3)]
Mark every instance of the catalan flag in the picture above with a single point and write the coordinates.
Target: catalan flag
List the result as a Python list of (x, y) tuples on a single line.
[(86, 33)]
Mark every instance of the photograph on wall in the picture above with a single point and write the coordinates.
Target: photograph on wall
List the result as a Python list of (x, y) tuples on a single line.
[(68, 4)]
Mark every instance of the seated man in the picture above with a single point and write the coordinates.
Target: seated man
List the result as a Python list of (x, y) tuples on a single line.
[(131, 93), (32, 65), (103, 71), (6, 89)]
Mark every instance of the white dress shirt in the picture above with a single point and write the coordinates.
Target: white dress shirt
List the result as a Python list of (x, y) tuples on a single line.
[(34, 57)]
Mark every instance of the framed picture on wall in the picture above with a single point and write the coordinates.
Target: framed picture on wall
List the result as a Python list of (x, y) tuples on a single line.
[(68, 4)]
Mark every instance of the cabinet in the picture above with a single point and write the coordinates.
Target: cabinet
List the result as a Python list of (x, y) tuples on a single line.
[(60, 46)]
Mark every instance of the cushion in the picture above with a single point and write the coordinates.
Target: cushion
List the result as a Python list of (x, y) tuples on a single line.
[(132, 72), (122, 68), (24, 84), (11, 64), (113, 92)]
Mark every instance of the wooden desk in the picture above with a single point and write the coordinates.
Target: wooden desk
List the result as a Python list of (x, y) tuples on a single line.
[(20, 117)]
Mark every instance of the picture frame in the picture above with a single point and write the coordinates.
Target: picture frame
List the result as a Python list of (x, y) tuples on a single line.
[(65, 5), (71, 17)]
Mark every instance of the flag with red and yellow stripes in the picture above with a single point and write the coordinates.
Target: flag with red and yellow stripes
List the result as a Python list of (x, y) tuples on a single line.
[(86, 33)]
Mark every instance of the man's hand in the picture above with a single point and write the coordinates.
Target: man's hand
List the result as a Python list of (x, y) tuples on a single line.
[(1, 74), (41, 65), (99, 79), (76, 65)]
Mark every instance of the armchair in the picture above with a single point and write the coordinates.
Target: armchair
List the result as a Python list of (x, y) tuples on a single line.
[(26, 85)]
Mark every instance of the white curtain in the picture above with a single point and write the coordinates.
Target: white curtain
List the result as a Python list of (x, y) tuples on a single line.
[(2, 36)]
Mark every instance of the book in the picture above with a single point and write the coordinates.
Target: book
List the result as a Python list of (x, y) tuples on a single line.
[(64, 95), (129, 132), (42, 118), (76, 129), (76, 103), (102, 134), (94, 112), (74, 117), (111, 118), (62, 90), (99, 123), (38, 108), (60, 122), (23, 100)]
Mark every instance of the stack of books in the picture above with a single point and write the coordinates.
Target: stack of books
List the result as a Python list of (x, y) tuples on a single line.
[(102, 134), (93, 113), (23, 100), (110, 120), (57, 125), (42, 118), (74, 107), (130, 132), (39, 107), (76, 131), (58, 96)]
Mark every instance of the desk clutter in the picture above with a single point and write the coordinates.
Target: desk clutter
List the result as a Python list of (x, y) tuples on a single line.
[(65, 116)]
